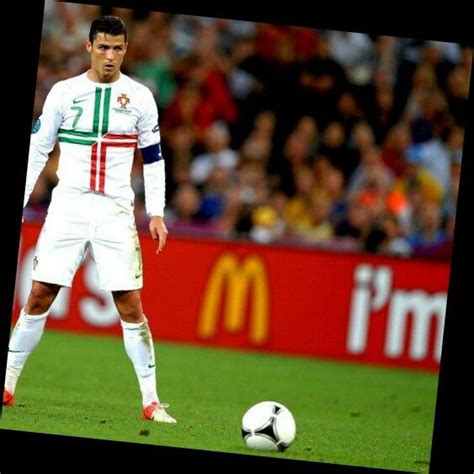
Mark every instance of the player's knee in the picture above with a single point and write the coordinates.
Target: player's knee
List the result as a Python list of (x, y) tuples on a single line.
[(38, 304), (133, 318), (41, 298), (131, 313), (129, 306)]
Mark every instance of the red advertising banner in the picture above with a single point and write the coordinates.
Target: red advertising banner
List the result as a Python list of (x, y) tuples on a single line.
[(354, 307)]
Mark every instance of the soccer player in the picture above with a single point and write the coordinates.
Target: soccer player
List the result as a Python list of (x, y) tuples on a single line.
[(98, 118)]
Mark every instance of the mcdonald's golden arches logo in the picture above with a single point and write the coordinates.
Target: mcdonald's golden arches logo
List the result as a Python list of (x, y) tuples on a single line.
[(239, 278)]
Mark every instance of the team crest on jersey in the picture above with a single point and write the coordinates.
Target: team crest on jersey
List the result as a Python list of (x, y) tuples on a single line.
[(123, 100), (36, 126)]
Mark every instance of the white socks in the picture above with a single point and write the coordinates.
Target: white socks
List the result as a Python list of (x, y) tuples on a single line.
[(25, 336), (139, 347)]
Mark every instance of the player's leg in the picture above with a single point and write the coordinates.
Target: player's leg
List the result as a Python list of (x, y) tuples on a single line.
[(116, 251), (138, 343), (27, 333), (59, 251)]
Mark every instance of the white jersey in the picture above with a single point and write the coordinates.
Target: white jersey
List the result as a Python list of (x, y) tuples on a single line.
[(98, 126)]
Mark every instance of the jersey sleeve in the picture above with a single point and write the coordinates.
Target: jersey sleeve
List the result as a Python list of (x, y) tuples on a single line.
[(153, 167), (43, 138), (148, 128)]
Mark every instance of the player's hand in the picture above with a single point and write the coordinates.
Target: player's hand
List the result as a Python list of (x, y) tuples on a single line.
[(158, 231)]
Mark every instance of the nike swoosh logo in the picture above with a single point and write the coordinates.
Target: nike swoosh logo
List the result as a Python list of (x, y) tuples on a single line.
[(150, 366), (77, 101), (138, 275)]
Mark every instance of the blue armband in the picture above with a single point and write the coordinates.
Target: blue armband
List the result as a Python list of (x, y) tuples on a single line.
[(152, 153)]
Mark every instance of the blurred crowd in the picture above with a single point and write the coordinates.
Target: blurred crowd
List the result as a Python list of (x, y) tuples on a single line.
[(339, 140)]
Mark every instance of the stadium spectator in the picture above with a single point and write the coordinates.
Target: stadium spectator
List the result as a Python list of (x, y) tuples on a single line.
[(430, 237), (218, 154)]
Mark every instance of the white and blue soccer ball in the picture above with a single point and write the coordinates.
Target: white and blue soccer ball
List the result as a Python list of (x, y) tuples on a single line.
[(268, 426)]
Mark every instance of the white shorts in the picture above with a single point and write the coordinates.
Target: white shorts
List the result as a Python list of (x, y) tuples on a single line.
[(91, 223)]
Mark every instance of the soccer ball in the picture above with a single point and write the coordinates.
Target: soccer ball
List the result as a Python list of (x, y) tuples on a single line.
[(268, 426)]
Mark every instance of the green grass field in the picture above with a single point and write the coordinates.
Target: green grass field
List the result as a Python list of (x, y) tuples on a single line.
[(345, 413)]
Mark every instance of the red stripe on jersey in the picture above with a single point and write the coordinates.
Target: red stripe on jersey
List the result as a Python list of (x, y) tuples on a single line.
[(93, 165), (118, 136), (103, 154)]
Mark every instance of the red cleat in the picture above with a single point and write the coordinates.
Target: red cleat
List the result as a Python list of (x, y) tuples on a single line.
[(8, 398), (156, 412)]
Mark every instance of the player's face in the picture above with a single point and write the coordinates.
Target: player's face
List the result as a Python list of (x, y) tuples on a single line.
[(107, 54)]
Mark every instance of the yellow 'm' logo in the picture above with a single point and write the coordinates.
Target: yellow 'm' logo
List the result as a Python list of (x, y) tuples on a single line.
[(238, 277)]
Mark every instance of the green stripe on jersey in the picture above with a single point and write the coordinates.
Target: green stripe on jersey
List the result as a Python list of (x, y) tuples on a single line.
[(73, 136), (95, 123), (76, 141), (105, 118)]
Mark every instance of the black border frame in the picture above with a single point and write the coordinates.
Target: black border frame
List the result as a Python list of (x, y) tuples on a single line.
[(450, 449)]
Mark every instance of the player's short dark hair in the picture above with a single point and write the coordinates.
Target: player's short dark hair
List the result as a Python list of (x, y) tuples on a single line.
[(112, 25)]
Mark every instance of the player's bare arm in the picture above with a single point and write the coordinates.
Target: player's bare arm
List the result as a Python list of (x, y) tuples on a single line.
[(158, 231)]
